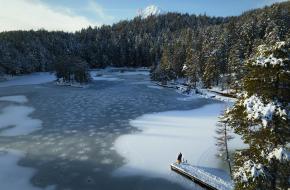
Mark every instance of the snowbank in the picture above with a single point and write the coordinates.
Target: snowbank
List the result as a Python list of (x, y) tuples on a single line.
[(13, 176), (35, 78)]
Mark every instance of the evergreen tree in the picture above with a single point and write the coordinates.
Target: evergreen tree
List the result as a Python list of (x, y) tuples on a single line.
[(223, 137), (72, 69), (261, 117), (191, 68)]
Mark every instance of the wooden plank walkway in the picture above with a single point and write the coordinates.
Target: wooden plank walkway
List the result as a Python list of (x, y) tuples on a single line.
[(201, 177)]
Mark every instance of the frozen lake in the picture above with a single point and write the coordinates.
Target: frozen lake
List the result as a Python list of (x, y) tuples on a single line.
[(113, 134)]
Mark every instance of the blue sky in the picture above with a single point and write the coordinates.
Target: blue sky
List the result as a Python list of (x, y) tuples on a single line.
[(126, 9), (71, 15)]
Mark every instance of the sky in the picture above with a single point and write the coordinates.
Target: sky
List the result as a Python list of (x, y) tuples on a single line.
[(73, 15)]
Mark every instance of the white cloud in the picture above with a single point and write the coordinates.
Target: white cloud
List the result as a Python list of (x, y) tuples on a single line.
[(98, 10), (33, 14)]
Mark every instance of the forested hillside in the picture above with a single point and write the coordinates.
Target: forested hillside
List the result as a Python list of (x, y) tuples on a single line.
[(210, 47)]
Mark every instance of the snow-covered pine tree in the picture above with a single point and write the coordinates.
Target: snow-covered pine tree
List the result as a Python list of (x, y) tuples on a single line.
[(261, 117), (224, 135), (190, 67)]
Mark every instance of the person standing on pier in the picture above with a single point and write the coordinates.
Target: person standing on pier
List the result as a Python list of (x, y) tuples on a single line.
[(179, 158)]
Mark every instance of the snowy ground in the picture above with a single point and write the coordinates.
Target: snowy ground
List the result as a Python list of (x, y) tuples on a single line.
[(163, 135)]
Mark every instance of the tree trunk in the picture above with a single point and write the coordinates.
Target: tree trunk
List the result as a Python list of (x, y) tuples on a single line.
[(227, 151)]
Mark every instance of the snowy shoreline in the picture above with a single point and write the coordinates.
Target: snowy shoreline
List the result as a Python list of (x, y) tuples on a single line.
[(214, 93)]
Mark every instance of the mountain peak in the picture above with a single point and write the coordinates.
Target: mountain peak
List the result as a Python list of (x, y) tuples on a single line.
[(149, 11)]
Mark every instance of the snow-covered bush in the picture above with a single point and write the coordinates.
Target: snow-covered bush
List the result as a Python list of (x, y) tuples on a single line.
[(261, 117)]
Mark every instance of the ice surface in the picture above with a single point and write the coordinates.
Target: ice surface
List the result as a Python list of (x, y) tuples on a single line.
[(166, 134), (15, 120), (17, 99), (35, 78), (13, 176)]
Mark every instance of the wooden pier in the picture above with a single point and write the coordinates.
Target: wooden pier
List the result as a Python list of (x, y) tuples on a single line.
[(201, 177)]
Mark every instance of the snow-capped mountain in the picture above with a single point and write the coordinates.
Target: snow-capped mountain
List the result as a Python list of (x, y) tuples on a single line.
[(148, 11)]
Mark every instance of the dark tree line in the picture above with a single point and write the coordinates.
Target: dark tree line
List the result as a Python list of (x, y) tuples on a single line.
[(213, 48)]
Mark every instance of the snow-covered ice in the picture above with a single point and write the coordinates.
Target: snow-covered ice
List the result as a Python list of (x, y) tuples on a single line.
[(35, 78), (17, 99), (15, 120), (13, 176), (166, 134)]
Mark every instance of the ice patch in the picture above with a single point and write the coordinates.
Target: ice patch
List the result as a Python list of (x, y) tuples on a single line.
[(35, 78), (17, 121), (17, 99), (13, 176), (164, 135)]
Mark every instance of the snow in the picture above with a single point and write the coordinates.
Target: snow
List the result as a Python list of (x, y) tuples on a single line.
[(17, 99), (266, 60), (205, 93), (35, 78), (256, 109), (22, 125), (13, 176), (280, 154), (250, 170), (270, 60), (166, 134), (150, 10), (184, 67), (204, 176)]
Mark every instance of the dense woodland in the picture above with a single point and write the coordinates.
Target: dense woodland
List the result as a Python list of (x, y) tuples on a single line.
[(212, 48)]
